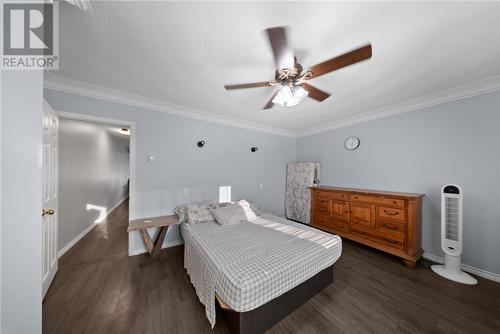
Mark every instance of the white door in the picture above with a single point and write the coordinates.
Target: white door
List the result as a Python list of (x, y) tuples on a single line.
[(50, 153)]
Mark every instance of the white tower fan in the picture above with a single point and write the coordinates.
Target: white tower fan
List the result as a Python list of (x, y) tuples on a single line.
[(451, 236)]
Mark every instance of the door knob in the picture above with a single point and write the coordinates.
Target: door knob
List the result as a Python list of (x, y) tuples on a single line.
[(49, 212)]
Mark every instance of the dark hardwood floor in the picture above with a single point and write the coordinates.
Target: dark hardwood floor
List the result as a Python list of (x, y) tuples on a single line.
[(99, 289)]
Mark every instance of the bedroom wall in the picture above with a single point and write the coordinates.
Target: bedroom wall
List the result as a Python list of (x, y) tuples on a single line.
[(420, 151), (182, 172), (93, 175)]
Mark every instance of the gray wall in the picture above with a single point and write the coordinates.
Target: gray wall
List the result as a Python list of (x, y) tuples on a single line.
[(21, 202), (183, 172), (93, 170), (456, 142)]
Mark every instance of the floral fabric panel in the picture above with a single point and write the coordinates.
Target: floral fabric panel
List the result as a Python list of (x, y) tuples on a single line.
[(300, 176)]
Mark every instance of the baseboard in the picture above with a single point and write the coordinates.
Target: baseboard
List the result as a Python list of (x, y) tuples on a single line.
[(168, 244), (87, 230), (473, 270), (75, 240), (116, 205)]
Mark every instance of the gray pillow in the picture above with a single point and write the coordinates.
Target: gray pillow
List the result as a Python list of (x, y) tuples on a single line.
[(237, 213)]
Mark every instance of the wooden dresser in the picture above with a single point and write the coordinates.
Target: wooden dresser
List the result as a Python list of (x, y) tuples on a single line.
[(388, 221)]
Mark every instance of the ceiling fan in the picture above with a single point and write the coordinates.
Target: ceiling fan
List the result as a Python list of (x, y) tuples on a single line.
[(291, 76)]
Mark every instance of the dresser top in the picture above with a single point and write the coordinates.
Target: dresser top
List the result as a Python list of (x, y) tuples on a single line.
[(369, 192)]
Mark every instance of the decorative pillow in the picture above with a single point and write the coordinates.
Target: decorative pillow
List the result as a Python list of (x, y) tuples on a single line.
[(234, 214), (199, 214), (182, 210), (216, 205), (253, 206)]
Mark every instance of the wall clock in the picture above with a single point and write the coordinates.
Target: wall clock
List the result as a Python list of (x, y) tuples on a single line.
[(351, 143)]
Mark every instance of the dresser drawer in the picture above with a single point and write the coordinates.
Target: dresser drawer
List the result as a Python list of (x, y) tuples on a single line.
[(321, 201), (378, 200), (387, 239), (340, 226), (394, 214), (387, 226), (322, 220), (332, 194), (361, 232), (322, 210), (392, 240), (343, 196), (331, 224)]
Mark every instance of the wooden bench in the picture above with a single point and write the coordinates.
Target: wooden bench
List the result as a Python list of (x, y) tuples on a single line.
[(142, 225)]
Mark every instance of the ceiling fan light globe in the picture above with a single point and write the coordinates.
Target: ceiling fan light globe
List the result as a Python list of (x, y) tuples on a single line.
[(284, 94), (290, 96), (299, 94)]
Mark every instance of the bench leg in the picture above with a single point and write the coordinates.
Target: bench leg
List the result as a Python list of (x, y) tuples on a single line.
[(154, 247), (147, 240), (159, 241)]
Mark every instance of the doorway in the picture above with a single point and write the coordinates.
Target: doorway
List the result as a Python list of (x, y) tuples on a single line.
[(94, 176)]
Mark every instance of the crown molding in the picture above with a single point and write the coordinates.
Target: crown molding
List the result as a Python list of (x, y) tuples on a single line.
[(66, 85), (484, 86)]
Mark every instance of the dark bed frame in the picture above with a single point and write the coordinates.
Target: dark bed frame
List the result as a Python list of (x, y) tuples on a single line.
[(264, 317)]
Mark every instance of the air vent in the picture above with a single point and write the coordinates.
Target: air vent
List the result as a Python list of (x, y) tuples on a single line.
[(452, 216)]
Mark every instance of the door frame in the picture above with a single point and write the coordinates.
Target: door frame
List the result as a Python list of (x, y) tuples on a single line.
[(132, 162)]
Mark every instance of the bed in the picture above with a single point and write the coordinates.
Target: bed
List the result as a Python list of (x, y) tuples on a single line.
[(258, 271)]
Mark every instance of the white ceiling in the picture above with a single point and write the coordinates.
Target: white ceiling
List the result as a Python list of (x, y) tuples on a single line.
[(184, 53)]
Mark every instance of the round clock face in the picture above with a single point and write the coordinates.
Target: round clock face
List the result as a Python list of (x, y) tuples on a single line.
[(351, 143)]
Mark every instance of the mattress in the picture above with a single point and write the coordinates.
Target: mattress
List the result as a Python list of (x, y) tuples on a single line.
[(251, 263)]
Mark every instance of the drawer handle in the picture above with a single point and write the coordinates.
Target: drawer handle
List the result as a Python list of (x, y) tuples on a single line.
[(360, 232), (395, 213), (339, 226), (321, 200), (390, 241), (390, 227)]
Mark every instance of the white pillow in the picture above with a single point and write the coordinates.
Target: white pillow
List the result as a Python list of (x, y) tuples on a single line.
[(249, 210), (234, 214)]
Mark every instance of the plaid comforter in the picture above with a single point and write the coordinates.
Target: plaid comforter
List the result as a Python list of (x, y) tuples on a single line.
[(252, 263)]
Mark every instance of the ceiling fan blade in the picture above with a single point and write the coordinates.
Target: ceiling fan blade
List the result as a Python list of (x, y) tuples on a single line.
[(344, 60), (315, 93), (270, 103), (248, 85), (283, 54)]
